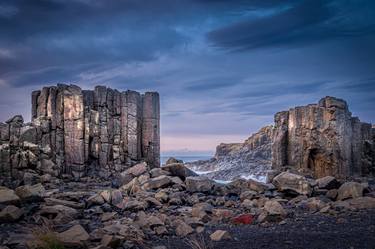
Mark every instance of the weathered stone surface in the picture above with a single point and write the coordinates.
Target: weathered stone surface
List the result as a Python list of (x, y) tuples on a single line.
[(274, 208), (350, 190), (327, 182), (220, 235), (362, 202), (291, 182), (173, 160), (198, 184), (323, 139), (10, 214), (179, 169), (30, 192), (157, 182), (75, 236), (8, 196), (81, 130)]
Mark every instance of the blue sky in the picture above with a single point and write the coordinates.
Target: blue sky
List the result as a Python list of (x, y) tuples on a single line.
[(223, 68)]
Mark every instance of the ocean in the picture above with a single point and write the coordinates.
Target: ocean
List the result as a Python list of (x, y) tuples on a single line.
[(163, 159)]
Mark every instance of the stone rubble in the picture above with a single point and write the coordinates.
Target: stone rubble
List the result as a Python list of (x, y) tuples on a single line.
[(93, 214)]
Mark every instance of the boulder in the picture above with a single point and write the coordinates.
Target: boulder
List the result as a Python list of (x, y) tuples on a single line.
[(30, 192), (183, 229), (274, 208), (8, 196), (250, 184), (153, 221), (201, 211), (198, 184), (350, 190), (172, 160), (10, 214), (180, 170), (362, 202), (220, 235), (327, 182), (59, 213), (137, 169), (111, 241), (157, 182), (332, 194), (76, 236), (95, 199), (244, 219), (155, 172), (292, 183)]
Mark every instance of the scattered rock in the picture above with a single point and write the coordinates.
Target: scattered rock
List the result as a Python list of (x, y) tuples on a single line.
[(332, 194), (137, 169), (179, 169), (183, 229), (75, 236), (157, 182), (327, 182), (30, 192), (198, 184), (291, 182), (8, 196), (244, 219), (362, 202), (350, 190), (220, 235), (10, 214), (111, 241), (173, 160), (274, 208)]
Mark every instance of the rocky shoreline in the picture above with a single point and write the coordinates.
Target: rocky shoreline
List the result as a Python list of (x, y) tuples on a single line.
[(170, 207)]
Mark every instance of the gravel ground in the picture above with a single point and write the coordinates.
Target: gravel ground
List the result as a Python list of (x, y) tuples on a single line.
[(351, 231)]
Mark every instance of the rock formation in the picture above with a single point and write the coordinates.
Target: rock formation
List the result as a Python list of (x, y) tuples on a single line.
[(323, 139), (250, 158), (74, 131), (318, 139)]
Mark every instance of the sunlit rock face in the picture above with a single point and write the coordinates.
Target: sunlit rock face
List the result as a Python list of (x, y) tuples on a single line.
[(323, 139), (80, 130)]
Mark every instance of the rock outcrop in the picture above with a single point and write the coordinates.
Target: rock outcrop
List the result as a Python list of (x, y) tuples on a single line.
[(318, 140), (74, 131), (323, 139), (252, 158)]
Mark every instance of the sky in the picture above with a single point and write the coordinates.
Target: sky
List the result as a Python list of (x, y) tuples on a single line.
[(222, 68)]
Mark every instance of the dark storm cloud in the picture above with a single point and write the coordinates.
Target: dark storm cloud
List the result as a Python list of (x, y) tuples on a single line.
[(180, 48), (303, 23)]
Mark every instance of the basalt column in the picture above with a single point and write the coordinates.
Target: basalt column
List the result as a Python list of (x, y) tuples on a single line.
[(150, 128), (74, 131), (101, 129), (323, 139)]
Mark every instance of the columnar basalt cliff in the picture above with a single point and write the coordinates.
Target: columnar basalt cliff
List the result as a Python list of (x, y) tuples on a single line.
[(74, 131), (323, 139), (318, 139)]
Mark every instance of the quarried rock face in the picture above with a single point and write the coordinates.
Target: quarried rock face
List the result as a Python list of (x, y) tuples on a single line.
[(79, 130), (323, 139)]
